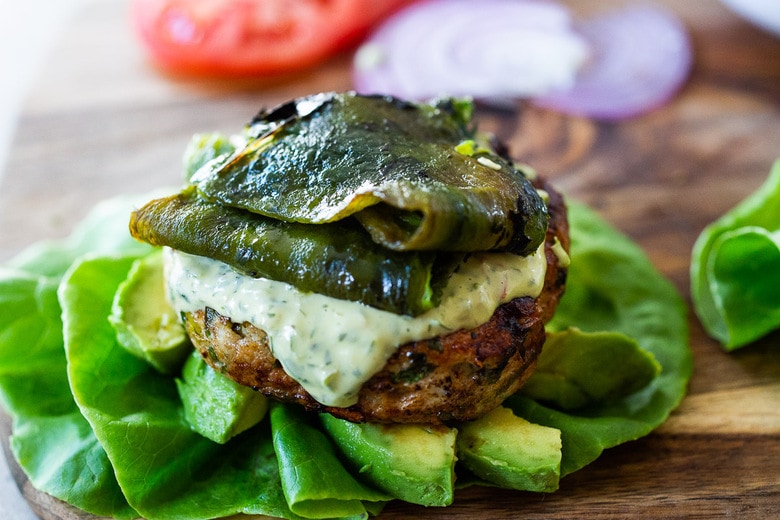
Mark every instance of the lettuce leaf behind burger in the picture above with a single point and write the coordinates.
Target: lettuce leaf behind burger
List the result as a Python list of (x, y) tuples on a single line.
[(163, 466), (612, 286)]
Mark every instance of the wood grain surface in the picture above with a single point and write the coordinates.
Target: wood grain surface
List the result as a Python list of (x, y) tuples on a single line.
[(101, 121)]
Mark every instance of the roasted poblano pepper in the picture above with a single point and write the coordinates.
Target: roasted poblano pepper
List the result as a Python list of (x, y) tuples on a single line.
[(394, 165), (337, 259), (364, 198)]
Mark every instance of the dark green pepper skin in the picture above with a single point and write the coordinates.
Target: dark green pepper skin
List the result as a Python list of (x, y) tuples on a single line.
[(337, 259), (391, 164), (363, 198)]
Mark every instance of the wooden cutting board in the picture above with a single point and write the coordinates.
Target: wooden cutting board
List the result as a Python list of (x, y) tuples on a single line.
[(101, 122)]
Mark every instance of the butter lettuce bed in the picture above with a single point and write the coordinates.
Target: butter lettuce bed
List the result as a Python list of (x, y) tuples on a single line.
[(101, 430)]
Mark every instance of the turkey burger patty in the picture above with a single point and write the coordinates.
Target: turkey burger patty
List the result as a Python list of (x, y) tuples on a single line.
[(373, 258), (453, 376)]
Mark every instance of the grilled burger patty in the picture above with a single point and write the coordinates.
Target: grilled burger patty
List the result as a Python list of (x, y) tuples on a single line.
[(456, 377)]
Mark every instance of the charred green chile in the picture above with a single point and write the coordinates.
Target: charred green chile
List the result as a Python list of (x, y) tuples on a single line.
[(336, 259), (395, 166)]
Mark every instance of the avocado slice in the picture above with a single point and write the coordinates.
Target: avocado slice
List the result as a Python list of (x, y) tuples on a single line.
[(508, 451), (411, 462), (144, 321), (215, 406)]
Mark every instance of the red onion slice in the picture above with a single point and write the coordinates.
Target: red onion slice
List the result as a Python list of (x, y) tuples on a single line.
[(485, 49), (620, 64), (640, 57)]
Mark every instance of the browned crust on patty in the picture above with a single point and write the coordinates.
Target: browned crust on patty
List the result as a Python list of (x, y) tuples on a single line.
[(457, 377)]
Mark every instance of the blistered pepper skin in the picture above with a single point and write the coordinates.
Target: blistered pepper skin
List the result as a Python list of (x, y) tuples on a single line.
[(393, 165), (337, 260), (363, 198)]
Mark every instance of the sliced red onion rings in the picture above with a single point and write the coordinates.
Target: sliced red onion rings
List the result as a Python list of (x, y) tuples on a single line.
[(485, 49), (640, 57), (617, 65)]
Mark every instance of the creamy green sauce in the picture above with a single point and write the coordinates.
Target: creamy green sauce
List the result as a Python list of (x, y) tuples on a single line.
[(330, 346), (563, 257)]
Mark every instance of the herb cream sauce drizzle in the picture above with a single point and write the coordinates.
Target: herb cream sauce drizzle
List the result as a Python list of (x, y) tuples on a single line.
[(331, 346)]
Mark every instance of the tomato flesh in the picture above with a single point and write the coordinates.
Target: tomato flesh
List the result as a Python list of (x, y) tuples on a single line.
[(252, 37)]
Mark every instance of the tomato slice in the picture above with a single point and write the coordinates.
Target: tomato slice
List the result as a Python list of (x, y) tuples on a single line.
[(252, 37)]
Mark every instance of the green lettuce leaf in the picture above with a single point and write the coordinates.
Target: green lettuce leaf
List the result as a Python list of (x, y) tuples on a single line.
[(735, 269), (132, 411), (578, 369), (315, 482), (51, 439), (52, 442), (612, 286), (135, 412)]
